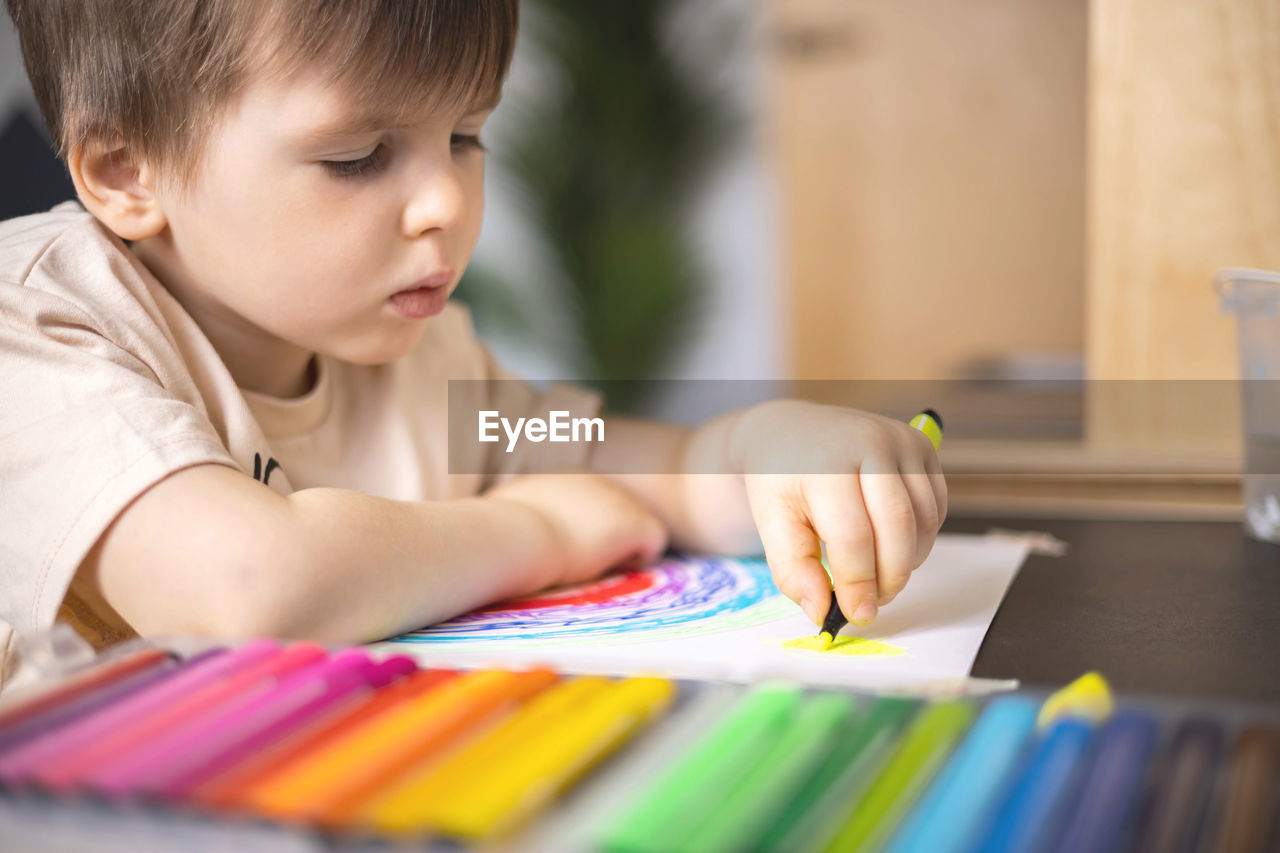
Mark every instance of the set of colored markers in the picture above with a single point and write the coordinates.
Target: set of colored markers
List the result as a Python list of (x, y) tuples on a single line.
[(298, 734), (795, 771), (376, 748)]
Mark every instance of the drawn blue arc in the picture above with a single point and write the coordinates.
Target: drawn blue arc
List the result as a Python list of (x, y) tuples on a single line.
[(690, 594)]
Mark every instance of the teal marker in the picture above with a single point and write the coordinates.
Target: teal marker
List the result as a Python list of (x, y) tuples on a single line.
[(966, 794), (928, 422)]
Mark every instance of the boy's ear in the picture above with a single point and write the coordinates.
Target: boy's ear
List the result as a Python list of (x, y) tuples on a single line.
[(117, 189)]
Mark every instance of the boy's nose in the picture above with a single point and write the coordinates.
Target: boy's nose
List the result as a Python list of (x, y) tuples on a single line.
[(438, 200)]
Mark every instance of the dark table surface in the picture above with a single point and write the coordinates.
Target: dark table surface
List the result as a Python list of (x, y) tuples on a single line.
[(1165, 608)]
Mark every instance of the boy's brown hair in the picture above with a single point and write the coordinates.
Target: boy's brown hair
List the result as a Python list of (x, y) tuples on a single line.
[(153, 74)]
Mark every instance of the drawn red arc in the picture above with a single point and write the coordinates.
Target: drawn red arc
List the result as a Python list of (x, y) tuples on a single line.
[(596, 593)]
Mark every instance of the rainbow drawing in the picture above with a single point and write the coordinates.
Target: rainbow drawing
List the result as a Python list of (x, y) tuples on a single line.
[(677, 597)]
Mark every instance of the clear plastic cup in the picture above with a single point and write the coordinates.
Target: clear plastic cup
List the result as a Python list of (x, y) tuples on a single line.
[(1254, 297)]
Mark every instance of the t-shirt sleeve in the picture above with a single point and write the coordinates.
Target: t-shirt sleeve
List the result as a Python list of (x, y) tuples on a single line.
[(85, 427)]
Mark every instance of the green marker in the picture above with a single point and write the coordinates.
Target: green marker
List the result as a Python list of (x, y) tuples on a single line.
[(813, 813), (928, 422), (924, 747), (749, 807), (676, 807)]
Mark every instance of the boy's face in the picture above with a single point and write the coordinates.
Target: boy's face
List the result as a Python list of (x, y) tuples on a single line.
[(303, 231)]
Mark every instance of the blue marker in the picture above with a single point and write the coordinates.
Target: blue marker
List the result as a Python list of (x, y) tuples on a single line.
[(966, 792), (1102, 820), (1027, 817)]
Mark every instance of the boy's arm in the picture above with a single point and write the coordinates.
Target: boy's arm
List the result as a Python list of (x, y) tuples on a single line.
[(708, 511), (210, 550)]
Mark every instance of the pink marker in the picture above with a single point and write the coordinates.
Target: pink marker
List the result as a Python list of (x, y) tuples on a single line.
[(153, 769), (39, 752), (273, 721), (190, 712)]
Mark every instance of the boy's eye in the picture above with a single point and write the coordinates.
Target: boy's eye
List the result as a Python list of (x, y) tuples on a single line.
[(465, 142), (372, 161)]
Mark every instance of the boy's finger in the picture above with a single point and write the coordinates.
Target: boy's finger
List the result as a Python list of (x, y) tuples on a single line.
[(791, 548), (840, 519), (893, 523), (939, 483), (928, 519), (652, 538)]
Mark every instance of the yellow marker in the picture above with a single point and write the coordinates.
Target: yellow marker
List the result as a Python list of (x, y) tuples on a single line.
[(1088, 696), (928, 422), (413, 803), (525, 764), (317, 781)]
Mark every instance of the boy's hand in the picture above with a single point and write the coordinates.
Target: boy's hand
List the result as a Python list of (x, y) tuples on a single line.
[(869, 487), (595, 524)]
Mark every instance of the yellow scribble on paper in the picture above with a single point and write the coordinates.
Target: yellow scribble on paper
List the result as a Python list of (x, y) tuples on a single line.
[(845, 646)]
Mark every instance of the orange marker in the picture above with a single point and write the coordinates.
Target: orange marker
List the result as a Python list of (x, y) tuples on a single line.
[(356, 766), (424, 791), (229, 789)]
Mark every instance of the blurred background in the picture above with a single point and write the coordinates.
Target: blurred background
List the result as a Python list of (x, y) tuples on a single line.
[(682, 188), (1021, 201), (809, 190), (630, 231), (627, 232)]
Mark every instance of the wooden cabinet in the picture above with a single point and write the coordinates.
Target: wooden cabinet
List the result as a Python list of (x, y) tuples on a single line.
[(964, 181), (930, 168)]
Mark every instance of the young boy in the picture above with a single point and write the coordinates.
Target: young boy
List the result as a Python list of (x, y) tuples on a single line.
[(224, 372)]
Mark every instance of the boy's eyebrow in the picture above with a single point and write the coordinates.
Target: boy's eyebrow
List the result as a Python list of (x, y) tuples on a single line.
[(351, 126), (369, 122)]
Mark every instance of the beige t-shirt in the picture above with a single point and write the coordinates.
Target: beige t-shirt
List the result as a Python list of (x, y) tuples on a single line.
[(107, 386)]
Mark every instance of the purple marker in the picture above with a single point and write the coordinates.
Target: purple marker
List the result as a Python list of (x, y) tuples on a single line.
[(271, 722), (204, 702), (128, 769), (1182, 788), (82, 706), (22, 763), (1112, 789)]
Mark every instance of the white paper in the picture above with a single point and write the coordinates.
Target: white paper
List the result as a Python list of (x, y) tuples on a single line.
[(724, 619)]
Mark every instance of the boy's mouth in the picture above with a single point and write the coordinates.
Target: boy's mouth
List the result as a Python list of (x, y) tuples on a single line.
[(426, 298)]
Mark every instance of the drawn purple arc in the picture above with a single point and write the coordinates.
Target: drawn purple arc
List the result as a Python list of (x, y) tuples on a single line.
[(690, 592)]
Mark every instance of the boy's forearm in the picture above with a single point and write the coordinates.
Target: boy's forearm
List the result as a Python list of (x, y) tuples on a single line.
[(208, 550), (687, 476), (419, 562)]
